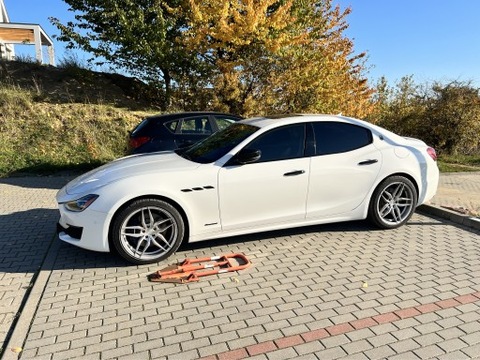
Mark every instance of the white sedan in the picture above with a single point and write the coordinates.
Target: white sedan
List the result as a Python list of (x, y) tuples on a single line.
[(256, 175)]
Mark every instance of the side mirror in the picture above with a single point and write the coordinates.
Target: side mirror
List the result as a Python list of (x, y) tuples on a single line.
[(248, 156)]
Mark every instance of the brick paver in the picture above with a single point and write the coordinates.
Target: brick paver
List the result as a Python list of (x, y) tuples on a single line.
[(28, 216), (459, 191), (325, 292)]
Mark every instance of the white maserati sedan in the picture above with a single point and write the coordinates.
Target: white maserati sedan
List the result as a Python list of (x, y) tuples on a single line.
[(256, 175)]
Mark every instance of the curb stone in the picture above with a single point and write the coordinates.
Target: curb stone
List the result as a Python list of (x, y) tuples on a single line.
[(465, 220)]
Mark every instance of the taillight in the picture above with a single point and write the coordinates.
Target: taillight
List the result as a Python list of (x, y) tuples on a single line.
[(138, 141), (433, 154)]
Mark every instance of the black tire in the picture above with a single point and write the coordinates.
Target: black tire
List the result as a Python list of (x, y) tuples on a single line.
[(147, 231), (393, 202)]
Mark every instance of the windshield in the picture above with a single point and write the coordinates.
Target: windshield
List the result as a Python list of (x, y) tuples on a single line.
[(215, 146)]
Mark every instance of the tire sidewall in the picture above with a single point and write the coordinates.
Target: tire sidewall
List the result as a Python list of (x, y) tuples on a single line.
[(373, 214), (115, 236)]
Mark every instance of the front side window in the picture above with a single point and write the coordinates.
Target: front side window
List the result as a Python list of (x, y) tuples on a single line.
[(223, 123), (217, 145), (287, 142), (336, 137)]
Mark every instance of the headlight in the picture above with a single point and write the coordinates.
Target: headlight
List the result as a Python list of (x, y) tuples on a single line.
[(82, 203)]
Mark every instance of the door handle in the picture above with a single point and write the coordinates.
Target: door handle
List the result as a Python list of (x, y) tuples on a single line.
[(368, 162), (294, 173)]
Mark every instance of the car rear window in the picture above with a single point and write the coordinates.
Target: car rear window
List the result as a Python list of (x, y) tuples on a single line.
[(138, 129), (223, 123)]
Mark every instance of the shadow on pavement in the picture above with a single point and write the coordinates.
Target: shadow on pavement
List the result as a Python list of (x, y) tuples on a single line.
[(72, 257), (26, 237), (38, 182)]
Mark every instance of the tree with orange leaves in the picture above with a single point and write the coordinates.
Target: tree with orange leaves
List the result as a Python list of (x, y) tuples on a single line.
[(243, 56), (269, 56)]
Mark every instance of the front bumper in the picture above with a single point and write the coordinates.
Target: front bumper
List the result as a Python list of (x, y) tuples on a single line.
[(87, 229), (74, 232)]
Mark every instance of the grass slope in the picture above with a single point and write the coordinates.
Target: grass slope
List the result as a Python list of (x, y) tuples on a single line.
[(51, 122)]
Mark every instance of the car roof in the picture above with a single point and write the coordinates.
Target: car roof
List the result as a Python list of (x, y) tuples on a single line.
[(181, 115), (279, 120)]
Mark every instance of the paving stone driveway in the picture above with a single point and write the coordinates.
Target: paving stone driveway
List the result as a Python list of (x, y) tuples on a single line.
[(323, 292), (27, 225)]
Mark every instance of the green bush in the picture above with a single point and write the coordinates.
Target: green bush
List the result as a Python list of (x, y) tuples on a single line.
[(446, 116)]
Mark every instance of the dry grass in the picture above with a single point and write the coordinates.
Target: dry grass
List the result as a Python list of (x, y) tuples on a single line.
[(44, 137)]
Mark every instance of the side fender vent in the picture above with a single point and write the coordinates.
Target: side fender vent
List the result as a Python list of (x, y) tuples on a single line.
[(198, 188)]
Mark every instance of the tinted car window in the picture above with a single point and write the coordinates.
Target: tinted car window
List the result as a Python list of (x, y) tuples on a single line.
[(198, 125), (171, 126), (287, 142), (140, 127), (222, 123), (214, 147), (335, 137)]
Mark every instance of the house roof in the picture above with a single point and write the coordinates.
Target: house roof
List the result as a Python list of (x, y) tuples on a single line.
[(21, 33)]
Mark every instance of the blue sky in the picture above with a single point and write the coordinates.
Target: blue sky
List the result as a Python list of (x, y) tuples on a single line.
[(429, 39)]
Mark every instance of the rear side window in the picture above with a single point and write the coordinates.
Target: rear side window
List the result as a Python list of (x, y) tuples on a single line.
[(171, 126), (336, 137), (198, 126)]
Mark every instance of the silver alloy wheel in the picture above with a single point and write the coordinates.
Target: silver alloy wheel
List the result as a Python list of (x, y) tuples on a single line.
[(395, 203), (148, 233)]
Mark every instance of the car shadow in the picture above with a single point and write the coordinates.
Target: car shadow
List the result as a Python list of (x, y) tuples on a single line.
[(52, 182), (27, 238), (350, 226)]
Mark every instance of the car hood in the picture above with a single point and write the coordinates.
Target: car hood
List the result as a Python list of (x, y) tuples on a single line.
[(135, 165)]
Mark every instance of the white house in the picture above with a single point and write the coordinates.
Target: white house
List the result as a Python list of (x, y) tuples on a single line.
[(25, 34)]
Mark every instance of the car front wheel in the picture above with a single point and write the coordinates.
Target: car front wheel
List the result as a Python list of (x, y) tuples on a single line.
[(147, 231), (393, 202)]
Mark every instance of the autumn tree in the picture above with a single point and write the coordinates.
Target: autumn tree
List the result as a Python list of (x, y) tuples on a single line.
[(245, 56), (452, 117), (278, 56)]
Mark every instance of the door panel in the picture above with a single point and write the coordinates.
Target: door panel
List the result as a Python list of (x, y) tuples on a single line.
[(263, 193), (340, 182)]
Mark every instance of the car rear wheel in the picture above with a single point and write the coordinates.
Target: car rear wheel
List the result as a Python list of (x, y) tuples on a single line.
[(147, 231), (393, 202)]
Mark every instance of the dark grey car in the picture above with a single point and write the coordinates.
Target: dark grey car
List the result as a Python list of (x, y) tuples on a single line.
[(173, 131)]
